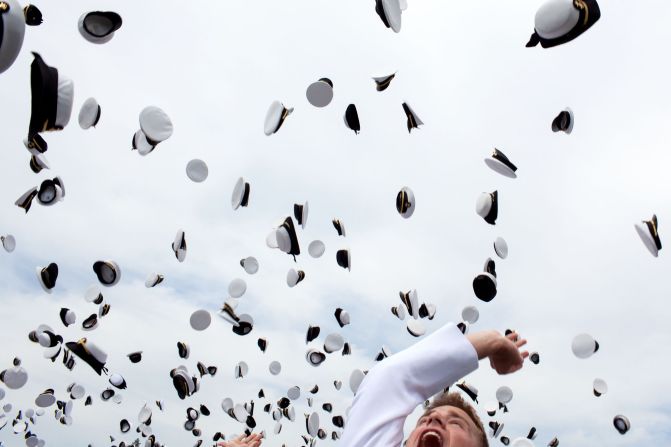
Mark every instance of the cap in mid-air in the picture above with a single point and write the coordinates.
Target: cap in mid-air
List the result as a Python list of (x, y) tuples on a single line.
[(560, 21)]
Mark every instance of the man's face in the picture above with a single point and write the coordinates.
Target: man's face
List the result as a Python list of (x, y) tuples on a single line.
[(445, 426)]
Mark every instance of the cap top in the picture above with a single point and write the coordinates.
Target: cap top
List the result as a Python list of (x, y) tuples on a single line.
[(155, 124), (197, 170), (320, 93), (584, 345), (200, 320), (316, 248)]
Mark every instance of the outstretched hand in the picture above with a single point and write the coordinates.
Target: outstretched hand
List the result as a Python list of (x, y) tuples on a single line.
[(503, 351), (253, 440)]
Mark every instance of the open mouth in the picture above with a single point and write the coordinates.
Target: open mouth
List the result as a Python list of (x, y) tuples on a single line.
[(430, 439)]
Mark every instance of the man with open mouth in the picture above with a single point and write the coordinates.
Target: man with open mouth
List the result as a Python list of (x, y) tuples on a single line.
[(396, 386)]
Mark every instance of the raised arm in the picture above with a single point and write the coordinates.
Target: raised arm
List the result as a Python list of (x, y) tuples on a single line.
[(395, 386)]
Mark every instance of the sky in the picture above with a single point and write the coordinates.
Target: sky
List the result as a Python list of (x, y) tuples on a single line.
[(576, 264)]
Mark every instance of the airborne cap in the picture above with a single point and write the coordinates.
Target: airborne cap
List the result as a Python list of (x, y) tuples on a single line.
[(155, 125), (99, 26), (245, 325), (8, 243), (315, 357), (240, 195), (93, 295), (67, 316), (647, 231), (342, 317), (301, 214), (390, 13), (333, 342), (599, 387), (90, 353), (405, 202), (197, 170), (275, 367), (135, 357), (179, 246), (13, 21), (200, 320), (51, 104), (415, 328), (141, 144), (500, 163), (49, 192), (108, 272), (584, 345), (287, 240), (413, 121), (470, 314), (312, 333), (487, 207), (183, 350), (275, 117), (560, 21), (411, 302), (339, 226), (504, 395), (237, 287), (153, 280), (564, 121), (484, 284), (294, 277), (316, 248), (38, 162), (352, 118), (47, 276), (501, 247), (320, 93), (621, 423), (14, 377), (344, 259), (469, 389), (250, 264), (89, 114), (382, 82)]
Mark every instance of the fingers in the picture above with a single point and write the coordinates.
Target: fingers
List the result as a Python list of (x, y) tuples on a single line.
[(513, 336), (507, 356), (253, 440)]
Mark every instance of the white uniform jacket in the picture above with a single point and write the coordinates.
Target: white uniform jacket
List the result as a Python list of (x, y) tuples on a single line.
[(397, 385)]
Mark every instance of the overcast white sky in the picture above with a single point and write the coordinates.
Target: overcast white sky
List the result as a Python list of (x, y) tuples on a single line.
[(575, 265)]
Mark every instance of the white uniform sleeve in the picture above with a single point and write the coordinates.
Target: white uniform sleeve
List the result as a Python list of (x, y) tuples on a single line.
[(397, 385)]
